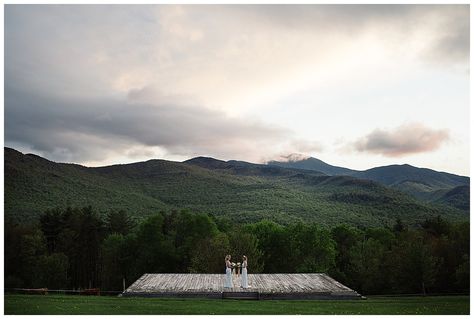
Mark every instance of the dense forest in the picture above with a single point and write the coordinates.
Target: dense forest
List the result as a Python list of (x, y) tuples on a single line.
[(77, 248)]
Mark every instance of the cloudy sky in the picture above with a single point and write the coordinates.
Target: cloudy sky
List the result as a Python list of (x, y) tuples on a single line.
[(353, 85)]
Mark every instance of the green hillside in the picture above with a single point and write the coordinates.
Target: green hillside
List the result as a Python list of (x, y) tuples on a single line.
[(422, 183), (396, 174), (243, 192)]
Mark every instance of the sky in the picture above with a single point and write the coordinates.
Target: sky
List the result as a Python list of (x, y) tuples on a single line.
[(357, 86)]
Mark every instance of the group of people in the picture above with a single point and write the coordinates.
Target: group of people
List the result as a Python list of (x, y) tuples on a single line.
[(228, 273)]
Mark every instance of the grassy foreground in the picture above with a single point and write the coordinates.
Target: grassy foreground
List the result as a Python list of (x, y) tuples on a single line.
[(93, 305)]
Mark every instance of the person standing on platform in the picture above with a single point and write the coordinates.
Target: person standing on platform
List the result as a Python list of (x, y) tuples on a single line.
[(244, 273), (228, 272)]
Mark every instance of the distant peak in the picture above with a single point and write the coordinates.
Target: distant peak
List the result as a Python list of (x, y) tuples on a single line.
[(293, 157), (405, 166), (206, 162), (201, 158)]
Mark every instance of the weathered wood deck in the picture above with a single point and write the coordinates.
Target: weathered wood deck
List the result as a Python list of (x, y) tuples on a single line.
[(261, 286)]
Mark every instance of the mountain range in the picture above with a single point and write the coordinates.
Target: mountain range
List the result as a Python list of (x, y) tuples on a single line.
[(236, 190), (313, 164), (423, 183)]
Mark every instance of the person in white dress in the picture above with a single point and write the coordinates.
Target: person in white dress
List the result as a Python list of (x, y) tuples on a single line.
[(245, 283), (228, 272)]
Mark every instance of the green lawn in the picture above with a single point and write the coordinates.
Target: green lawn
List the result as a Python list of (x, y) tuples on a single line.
[(93, 305)]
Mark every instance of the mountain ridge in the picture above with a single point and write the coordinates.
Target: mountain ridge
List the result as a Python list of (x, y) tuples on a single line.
[(422, 183), (240, 191), (312, 163)]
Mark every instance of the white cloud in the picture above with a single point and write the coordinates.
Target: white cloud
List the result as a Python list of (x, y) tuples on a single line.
[(403, 140)]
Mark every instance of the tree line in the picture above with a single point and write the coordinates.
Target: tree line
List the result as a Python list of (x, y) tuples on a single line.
[(77, 248)]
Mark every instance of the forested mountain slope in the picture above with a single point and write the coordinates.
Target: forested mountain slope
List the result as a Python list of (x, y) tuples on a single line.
[(240, 191)]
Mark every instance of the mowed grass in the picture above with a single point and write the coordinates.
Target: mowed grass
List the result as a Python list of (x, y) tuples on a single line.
[(94, 305)]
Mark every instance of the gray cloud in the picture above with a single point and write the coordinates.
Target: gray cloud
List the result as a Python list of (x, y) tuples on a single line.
[(89, 82), (94, 48), (452, 43), (84, 129), (404, 140), (293, 157)]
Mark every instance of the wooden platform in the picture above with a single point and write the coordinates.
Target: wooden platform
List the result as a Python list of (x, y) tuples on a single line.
[(261, 286)]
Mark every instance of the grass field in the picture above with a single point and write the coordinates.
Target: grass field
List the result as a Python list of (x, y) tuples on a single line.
[(93, 305)]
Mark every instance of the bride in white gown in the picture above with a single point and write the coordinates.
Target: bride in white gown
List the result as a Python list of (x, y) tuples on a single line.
[(245, 283), (228, 272)]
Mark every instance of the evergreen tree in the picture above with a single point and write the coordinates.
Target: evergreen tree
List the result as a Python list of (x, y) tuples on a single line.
[(118, 222), (242, 243), (208, 256)]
